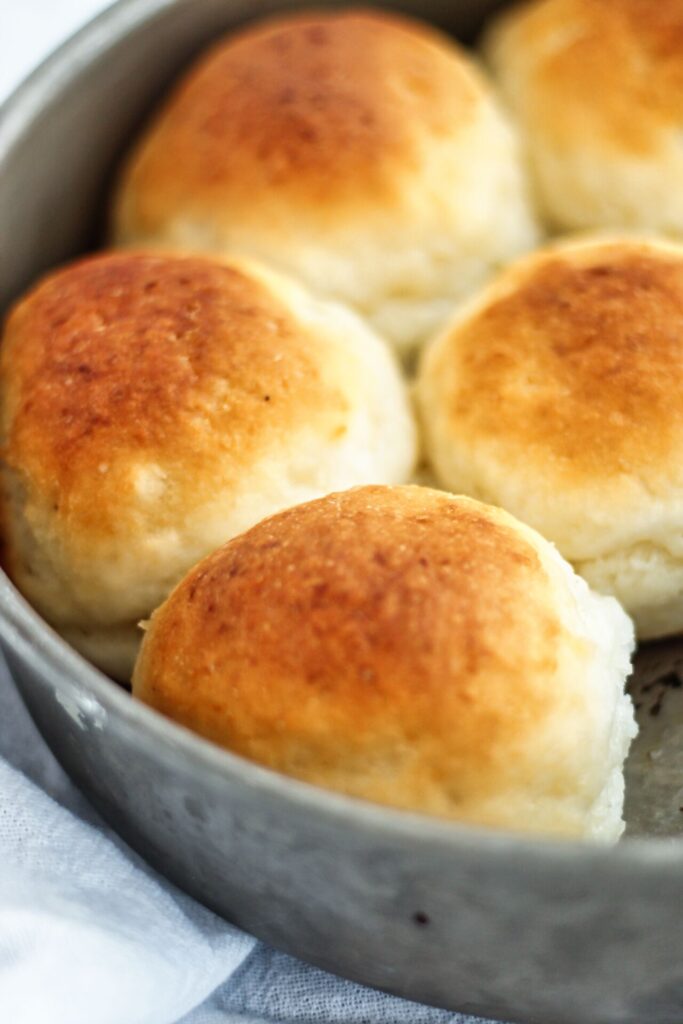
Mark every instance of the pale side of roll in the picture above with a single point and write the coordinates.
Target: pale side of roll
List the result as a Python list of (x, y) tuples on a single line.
[(596, 89)]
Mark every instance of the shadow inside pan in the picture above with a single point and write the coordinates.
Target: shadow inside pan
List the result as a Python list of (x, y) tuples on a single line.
[(654, 770)]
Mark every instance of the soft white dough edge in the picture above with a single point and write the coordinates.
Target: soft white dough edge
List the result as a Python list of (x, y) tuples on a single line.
[(602, 621)]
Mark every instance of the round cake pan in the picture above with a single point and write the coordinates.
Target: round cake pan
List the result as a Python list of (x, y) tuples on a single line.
[(482, 922)]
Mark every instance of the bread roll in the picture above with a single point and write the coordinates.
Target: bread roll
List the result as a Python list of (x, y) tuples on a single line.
[(408, 647), (361, 152), (597, 90), (557, 394), (152, 406)]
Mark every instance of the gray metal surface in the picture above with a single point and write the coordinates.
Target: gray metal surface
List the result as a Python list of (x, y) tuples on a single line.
[(532, 931)]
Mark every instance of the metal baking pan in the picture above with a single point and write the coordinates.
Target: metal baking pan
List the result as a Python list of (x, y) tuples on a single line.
[(483, 922)]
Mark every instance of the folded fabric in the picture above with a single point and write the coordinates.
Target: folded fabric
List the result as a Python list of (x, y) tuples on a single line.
[(88, 932)]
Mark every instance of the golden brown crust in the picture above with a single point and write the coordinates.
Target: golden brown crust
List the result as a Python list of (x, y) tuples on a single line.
[(607, 69), (131, 359), (395, 643), (574, 367), (316, 109)]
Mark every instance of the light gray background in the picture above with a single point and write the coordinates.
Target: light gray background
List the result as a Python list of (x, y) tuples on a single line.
[(30, 29)]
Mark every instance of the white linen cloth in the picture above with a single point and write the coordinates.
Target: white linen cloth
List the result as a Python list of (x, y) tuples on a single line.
[(89, 934)]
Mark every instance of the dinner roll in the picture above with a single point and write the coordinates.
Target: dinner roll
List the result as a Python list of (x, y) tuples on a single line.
[(597, 88), (152, 406), (411, 648), (556, 393), (359, 151)]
